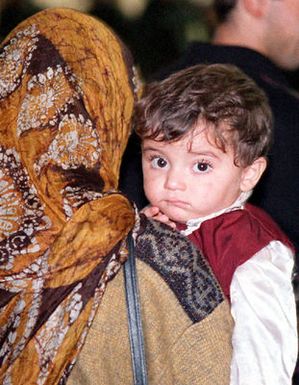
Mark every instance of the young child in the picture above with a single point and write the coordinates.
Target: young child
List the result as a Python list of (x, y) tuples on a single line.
[(205, 134)]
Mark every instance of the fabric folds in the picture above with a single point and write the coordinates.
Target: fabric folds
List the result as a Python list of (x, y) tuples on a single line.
[(67, 89)]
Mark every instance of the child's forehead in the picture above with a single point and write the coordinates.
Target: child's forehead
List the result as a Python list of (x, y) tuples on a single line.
[(202, 138), (203, 133), (191, 141), (208, 129)]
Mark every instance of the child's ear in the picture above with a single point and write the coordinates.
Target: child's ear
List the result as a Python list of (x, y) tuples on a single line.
[(251, 174)]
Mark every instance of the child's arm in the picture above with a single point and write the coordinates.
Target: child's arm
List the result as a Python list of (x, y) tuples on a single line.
[(155, 213), (263, 307)]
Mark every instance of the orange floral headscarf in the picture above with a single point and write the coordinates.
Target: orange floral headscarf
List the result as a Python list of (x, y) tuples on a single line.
[(67, 90)]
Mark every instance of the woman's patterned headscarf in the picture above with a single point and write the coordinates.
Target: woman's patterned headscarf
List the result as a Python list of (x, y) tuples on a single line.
[(66, 98)]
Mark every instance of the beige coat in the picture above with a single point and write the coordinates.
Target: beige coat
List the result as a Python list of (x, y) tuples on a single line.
[(181, 349)]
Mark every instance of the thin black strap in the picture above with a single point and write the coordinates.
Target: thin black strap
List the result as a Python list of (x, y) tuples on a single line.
[(134, 317)]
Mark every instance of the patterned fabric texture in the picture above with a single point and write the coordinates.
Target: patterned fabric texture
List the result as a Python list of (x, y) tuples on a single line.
[(186, 320), (182, 267), (67, 89)]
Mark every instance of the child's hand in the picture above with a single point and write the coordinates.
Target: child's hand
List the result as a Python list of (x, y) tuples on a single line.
[(155, 213)]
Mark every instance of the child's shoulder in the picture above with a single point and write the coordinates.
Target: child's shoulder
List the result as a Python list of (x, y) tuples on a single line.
[(259, 221), (251, 221), (244, 231), (232, 238)]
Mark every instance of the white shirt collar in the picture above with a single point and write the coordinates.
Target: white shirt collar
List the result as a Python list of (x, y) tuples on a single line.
[(194, 224)]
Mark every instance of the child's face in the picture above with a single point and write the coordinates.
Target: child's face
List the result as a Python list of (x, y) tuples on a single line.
[(188, 180)]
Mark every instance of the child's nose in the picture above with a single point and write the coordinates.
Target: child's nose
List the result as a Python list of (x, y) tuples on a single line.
[(174, 180)]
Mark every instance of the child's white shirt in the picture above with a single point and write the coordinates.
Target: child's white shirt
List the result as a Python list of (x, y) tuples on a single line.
[(265, 343)]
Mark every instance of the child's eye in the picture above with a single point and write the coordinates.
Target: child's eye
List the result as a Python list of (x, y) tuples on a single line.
[(202, 167), (158, 162)]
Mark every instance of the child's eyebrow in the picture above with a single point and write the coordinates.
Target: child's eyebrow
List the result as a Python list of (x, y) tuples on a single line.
[(148, 148), (203, 153)]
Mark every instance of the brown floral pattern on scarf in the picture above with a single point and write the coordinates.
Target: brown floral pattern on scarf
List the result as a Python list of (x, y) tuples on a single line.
[(66, 99), (21, 212)]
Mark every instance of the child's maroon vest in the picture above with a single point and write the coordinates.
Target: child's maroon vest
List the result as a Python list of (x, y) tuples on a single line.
[(230, 239)]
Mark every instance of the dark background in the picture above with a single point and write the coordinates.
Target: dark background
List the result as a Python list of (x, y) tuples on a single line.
[(156, 35)]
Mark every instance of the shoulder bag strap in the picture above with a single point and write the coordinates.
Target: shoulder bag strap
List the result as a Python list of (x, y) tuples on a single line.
[(134, 317)]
